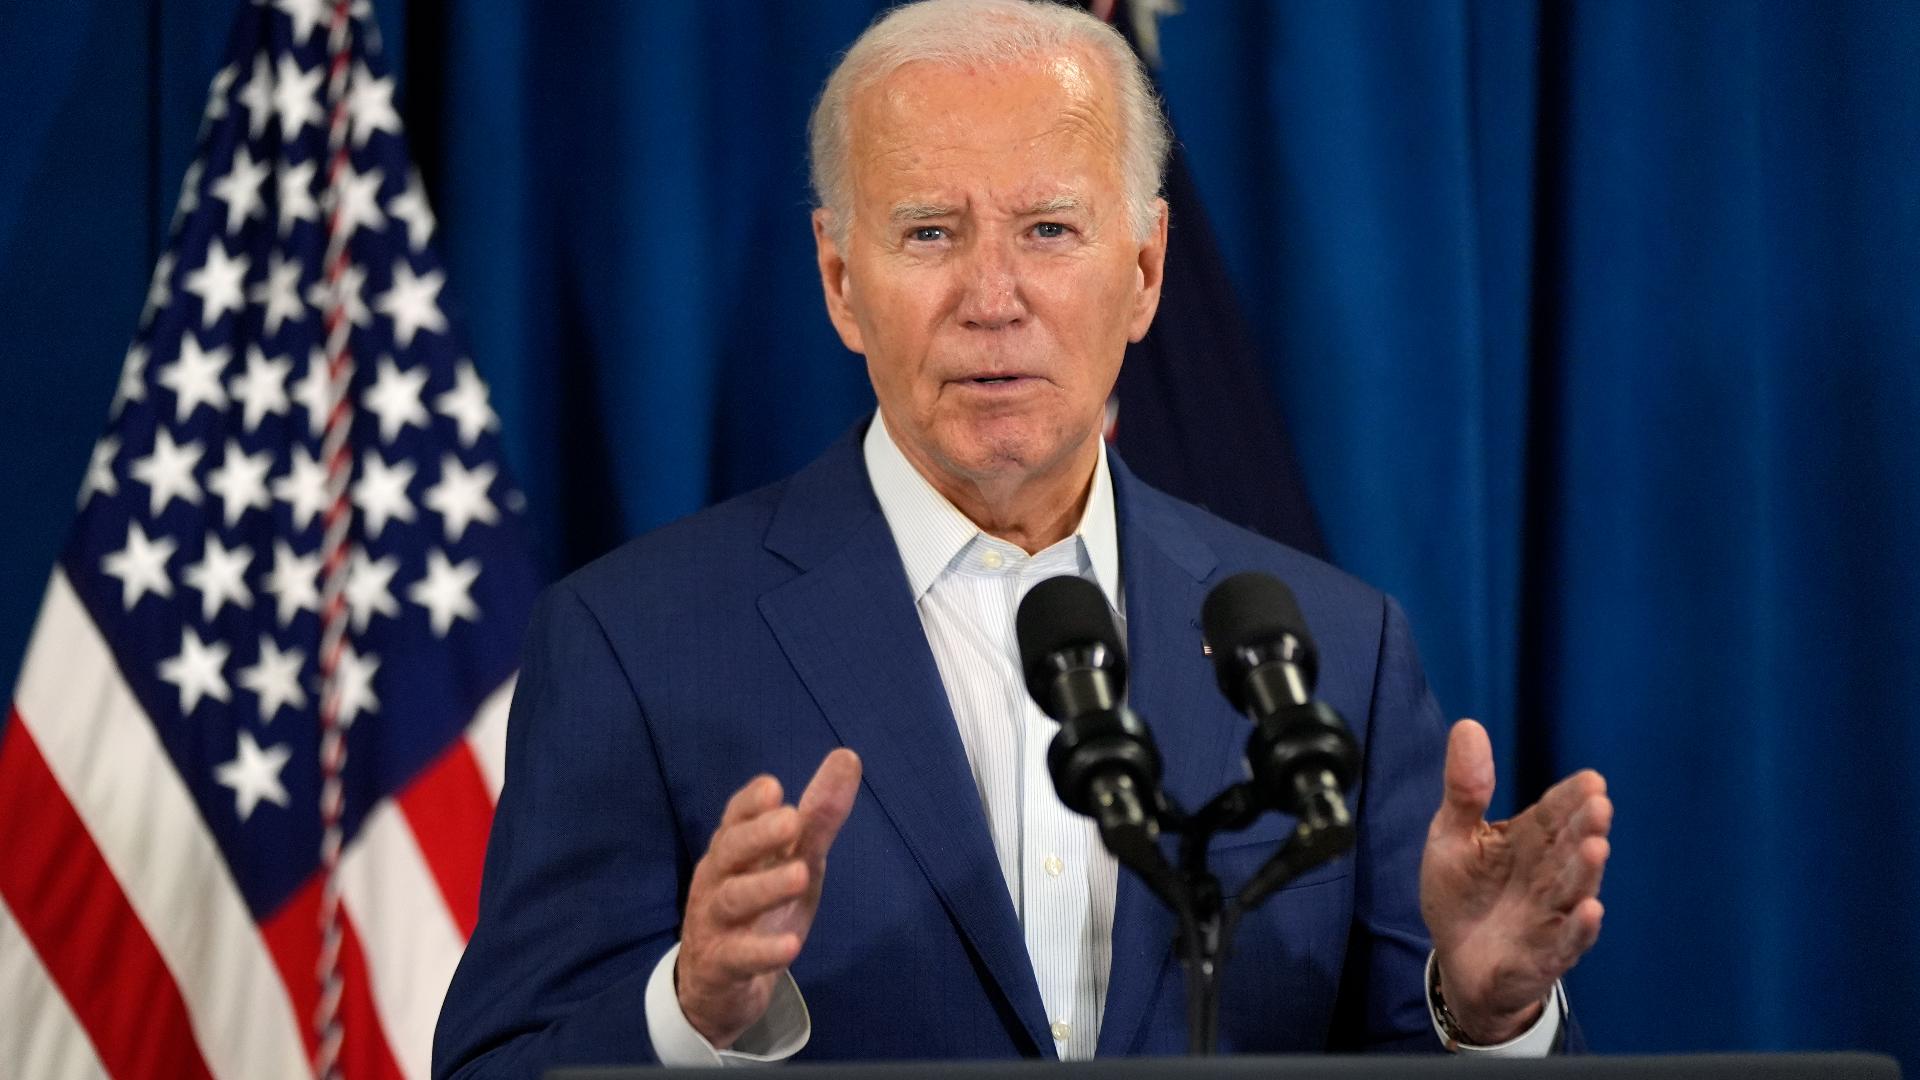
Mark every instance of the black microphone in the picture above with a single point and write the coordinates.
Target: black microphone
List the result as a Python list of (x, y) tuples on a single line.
[(1103, 761), (1301, 754)]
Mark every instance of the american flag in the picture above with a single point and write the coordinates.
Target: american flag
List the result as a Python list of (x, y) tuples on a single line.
[(272, 667)]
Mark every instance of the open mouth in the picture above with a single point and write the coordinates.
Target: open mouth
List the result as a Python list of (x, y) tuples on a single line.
[(991, 380)]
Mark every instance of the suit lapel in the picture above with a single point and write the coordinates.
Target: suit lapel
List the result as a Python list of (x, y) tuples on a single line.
[(1170, 685), (849, 626)]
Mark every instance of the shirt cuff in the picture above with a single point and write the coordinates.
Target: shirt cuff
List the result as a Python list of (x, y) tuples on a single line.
[(776, 1037), (1536, 1042)]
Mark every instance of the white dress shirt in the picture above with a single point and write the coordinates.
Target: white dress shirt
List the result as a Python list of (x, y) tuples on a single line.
[(1061, 880)]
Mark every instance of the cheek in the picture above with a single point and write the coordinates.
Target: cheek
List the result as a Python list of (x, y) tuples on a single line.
[(1091, 312)]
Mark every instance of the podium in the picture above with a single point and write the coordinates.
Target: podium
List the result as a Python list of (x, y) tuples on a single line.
[(1323, 1067)]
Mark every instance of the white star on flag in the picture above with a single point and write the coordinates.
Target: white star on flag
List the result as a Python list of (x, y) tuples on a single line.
[(168, 472), (411, 207), (296, 195), (220, 577), (194, 378), (370, 104), (262, 388), (257, 96), (460, 496), (254, 775), (360, 200), (314, 392), (294, 582), (240, 482), (217, 282), (293, 97), (159, 287), (446, 591), (370, 588), (141, 566), (190, 190), (466, 405), (354, 678), (275, 679), (352, 280), (303, 488), (100, 479), (240, 188), (381, 491), (411, 302), (280, 292), (196, 670), (217, 92), (395, 398), (305, 15), (133, 381)]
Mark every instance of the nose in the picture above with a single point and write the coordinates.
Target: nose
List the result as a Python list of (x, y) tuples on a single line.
[(991, 281)]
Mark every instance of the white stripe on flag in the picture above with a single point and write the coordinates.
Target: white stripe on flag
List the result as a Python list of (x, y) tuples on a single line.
[(106, 755), (488, 737), (406, 932), (39, 1035)]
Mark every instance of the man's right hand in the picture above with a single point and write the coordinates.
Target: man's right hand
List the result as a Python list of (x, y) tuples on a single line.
[(754, 894)]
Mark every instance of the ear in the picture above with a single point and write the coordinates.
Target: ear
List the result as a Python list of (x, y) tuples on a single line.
[(1150, 272), (836, 282)]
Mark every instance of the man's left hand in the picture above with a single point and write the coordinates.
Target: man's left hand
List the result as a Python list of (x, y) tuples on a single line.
[(1511, 905)]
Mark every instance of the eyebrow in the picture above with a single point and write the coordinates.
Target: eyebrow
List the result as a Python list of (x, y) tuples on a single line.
[(921, 212), (1057, 204), (928, 211)]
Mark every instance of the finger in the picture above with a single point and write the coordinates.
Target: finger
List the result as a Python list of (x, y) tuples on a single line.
[(1557, 807), (744, 897), (1581, 930), (746, 845), (759, 795), (745, 954), (1469, 780), (1591, 819), (828, 800), (1580, 877), (1594, 817)]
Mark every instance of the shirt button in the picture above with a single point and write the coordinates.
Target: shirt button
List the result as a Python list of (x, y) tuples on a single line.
[(1054, 866), (993, 560), (1062, 1031)]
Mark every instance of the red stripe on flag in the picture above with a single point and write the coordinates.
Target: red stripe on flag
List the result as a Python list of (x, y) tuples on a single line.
[(450, 811), (293, 937), (92, 943)]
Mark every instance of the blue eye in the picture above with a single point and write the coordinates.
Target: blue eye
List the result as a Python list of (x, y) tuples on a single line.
[(927, 234), (1049, 230)]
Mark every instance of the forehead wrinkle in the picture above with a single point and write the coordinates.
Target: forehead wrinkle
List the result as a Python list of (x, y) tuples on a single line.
[(898, 129)]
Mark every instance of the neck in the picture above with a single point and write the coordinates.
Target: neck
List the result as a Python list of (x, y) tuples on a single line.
[(1031, 509)]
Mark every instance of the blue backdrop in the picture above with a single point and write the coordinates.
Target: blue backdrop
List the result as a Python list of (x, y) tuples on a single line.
[(1597, 327)]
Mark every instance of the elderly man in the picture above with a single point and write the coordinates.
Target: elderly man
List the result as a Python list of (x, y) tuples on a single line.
[(989, 239)]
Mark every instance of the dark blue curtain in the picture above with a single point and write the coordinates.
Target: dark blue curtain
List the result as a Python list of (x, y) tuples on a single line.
[(1596, 326)]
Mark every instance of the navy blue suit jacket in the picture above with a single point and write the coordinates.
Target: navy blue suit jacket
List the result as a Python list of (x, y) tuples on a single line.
[(762, 633)]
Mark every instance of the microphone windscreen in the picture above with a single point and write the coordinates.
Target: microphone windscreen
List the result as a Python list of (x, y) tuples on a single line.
[(1247, 611), (1060, 613)]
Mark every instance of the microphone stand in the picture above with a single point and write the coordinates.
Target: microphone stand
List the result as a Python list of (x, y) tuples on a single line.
[(1207, 923)]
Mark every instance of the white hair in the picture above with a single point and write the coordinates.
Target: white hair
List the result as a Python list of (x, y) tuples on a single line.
[(985, 34)]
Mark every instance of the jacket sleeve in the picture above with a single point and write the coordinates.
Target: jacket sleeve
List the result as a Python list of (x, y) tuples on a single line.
[(1382, 1001), (584, 873)]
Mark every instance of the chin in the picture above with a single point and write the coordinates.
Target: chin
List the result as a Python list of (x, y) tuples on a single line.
[(997, 449)]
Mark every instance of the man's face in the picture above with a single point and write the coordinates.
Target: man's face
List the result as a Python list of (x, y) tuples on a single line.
[(991, 277)]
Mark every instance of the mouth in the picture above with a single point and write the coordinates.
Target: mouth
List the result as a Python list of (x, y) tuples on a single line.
[(995, 378)]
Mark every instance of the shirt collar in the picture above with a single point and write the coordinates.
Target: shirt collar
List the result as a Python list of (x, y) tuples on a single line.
[(930, 531)]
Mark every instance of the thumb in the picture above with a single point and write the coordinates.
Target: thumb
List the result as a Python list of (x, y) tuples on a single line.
[(1469, 780), (828, 800)]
